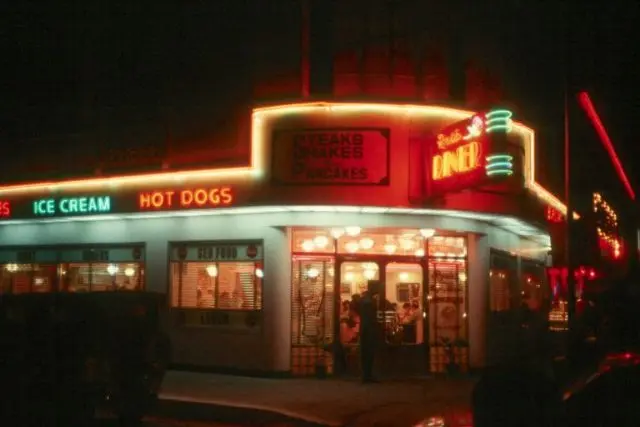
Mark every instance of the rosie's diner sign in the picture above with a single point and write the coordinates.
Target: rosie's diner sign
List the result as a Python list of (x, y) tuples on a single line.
[(347, 156)]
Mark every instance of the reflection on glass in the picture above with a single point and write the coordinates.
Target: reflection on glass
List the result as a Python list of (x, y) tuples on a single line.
[(499, 292), (96, 277), (354, 278), (405, 310), (25, 278)]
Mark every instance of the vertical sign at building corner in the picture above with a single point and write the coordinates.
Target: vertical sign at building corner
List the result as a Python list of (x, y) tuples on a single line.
[(332, 156)]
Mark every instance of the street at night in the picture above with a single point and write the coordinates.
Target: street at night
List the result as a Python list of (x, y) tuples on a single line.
[(320, 213)]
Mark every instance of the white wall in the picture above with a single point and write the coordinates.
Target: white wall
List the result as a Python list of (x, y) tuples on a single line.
[(269, 348)]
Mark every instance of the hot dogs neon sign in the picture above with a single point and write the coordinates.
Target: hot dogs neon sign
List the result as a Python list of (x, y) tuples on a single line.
[(186, 199)]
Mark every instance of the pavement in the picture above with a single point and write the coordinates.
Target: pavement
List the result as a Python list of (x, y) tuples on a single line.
[(328, 402)]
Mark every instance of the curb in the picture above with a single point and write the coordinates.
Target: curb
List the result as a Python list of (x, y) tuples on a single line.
[(174, 407)]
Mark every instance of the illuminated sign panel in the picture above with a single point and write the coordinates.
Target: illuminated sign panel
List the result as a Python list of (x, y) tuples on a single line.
[(72, 206), (467, 153), (5, 209), (185, 199), (343, 156)]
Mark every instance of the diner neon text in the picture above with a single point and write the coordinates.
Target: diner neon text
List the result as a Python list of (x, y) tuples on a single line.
[(5, 209), (460, 160), (185, 199), (72, 205)]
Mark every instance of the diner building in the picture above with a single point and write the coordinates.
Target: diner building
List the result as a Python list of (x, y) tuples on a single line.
[(438, 208)]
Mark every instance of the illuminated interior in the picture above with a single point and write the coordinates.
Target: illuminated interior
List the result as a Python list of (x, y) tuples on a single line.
[(399, 258), (258, 161)]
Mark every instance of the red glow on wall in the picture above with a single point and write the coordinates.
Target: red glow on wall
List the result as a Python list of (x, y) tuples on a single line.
[(5, 209), (185, 199), (587, 105)]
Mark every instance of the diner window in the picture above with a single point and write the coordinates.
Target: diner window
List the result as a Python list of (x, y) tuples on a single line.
[(96, 277), (72, 269), (216, 276), (26, 278), (535, 291), (502, 275)]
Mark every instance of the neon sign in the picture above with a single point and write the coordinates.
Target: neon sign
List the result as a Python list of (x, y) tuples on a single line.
[(186, 199), (5, 209), (463, 159), (462, 153), (72, 206), (607, 227)]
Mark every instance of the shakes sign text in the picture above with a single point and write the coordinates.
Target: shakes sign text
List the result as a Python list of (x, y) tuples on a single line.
[(353, 156)]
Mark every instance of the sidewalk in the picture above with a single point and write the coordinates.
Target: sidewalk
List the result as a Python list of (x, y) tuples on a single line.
[(334, 402)]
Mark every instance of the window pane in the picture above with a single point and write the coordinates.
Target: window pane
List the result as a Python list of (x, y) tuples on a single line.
[(236, 285), (224, 285), (44, 277), (16, 278), (313, 241), (404, 296)]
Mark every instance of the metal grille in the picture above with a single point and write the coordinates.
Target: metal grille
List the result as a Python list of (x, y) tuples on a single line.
[(447, 314), (312, 315)]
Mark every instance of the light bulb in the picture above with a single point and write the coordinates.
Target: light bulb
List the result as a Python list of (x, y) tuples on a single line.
[(336, 233), (129, 271), (313, 273), (321, 241), (419, 252), (366, 243), (390, 248), (259, 273), (369, 274), (462, 277), (404, 276), (112, 269), (307, 245), (212, 270), (352, 246), (427, 232), (353, 230), (407, 244)]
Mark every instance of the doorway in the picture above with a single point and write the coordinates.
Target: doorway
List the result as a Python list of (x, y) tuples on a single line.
[(401, 319)]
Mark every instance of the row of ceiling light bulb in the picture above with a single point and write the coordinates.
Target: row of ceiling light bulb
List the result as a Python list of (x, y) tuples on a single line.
[(366, 243)]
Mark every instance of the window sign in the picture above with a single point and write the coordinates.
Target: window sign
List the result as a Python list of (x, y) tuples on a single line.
[(338, 156), (216, 252)]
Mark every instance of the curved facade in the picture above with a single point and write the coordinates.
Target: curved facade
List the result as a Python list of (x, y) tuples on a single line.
[(261, 263)]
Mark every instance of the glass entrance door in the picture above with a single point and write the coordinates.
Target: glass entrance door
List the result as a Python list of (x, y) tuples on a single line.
[(353, 281)]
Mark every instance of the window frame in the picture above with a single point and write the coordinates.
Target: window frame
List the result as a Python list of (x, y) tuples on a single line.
[(258, 282)]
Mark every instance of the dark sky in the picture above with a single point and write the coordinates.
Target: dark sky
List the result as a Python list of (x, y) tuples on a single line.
[(73, 66)]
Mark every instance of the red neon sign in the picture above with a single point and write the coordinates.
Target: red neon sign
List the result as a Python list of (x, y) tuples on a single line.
[(587, 105), (5, 209), (186, 199)]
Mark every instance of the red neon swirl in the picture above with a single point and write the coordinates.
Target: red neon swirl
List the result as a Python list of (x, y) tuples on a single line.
[(587, 105)]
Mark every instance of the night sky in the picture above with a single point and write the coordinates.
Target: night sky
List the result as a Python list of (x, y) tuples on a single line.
[(142, 67)]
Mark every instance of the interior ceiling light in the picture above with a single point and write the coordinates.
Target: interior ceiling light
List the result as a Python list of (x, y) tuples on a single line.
[(353, 231)]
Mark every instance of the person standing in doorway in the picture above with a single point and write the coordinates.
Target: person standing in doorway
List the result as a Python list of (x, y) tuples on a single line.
[(368, 331)]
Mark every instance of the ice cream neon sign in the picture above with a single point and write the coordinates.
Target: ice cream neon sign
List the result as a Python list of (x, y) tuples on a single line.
[(72, 206)]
